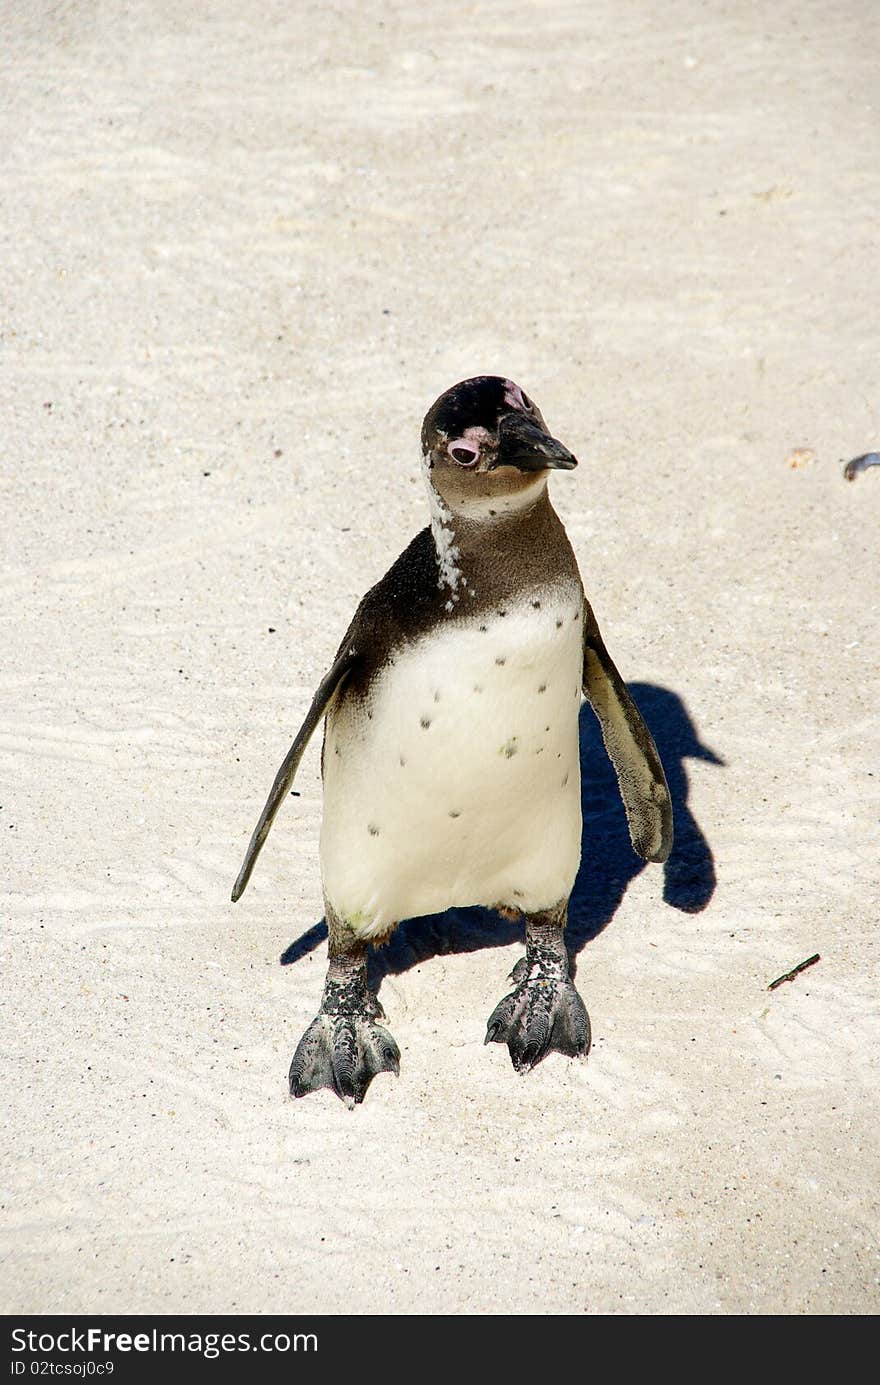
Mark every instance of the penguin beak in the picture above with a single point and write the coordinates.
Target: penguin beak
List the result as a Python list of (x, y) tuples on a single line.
[(524, 445)]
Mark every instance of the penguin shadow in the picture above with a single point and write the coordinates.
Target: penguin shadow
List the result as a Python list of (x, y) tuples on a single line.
[(608, 862)]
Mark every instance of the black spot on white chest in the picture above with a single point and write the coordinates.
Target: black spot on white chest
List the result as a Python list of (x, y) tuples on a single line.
[(502, 687), (464, 783)]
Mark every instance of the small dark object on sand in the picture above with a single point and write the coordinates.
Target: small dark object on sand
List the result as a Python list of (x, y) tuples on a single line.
[(795, 971), (852, 469)]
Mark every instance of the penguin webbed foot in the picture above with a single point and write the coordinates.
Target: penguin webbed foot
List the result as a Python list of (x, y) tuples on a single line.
[(543, 1014), (344, 1052)]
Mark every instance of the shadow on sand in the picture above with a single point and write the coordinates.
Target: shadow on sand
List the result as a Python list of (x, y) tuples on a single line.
[(608, 862)]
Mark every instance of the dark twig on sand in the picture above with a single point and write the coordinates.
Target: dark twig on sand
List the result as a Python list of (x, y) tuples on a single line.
[(790, 975), (852, 469)]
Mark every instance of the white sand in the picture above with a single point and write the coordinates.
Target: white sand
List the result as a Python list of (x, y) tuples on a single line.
[(258, 248)]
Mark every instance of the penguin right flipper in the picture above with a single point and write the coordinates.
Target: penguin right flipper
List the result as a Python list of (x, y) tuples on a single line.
[(630, 748), (327, 688)]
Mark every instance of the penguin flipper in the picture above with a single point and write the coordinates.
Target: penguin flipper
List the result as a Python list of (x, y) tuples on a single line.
[(342, 666), (630, 748)]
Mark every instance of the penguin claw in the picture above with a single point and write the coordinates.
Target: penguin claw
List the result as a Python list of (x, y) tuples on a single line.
[(520, 971), (344, 1053), (373, 1007), (543, 1014)]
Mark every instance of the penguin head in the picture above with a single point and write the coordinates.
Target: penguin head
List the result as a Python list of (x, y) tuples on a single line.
[(484, 439)]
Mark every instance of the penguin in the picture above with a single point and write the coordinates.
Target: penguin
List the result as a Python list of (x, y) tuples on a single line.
[(450, 763)]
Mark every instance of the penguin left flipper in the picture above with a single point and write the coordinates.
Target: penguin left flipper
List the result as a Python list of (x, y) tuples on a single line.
[(327, 688), (630, 748)]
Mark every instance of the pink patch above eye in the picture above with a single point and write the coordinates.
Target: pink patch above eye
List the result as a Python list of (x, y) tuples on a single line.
[(514, 396), (464, 452)]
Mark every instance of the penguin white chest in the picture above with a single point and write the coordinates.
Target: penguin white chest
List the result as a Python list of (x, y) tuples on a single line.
[(456, 781)]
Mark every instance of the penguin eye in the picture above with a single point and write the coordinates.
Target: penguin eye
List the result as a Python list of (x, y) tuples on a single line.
[(528, 403), (465, 453)]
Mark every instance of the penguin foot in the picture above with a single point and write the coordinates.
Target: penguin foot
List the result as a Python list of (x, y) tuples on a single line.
[(343, 1052), (542, 1015)]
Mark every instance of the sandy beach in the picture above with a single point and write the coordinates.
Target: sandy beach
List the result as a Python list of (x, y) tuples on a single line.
[(242, 253)]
